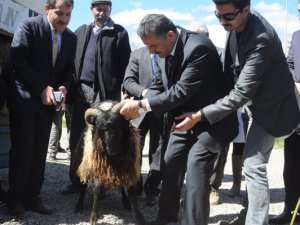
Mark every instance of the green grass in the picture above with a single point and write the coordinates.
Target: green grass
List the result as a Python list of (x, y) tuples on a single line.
[(279, 143), (64, 123)]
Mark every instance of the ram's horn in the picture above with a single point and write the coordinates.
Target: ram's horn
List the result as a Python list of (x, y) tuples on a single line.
[(117, 107), (89, 116)]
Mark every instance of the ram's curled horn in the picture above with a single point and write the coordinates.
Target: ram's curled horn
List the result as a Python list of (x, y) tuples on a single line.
[(117, 107), (89, 115)]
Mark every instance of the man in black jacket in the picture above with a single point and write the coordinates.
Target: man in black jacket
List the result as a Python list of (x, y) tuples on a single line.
[(102, 55), (189, 77)]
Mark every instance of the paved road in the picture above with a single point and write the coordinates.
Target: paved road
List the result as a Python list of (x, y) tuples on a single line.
[(111, 210)]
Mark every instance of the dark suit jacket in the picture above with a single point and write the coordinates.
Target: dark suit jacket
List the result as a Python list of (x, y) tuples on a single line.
[(113, 51), (264, 84), (31, 58), (198, 81), (293, 60)]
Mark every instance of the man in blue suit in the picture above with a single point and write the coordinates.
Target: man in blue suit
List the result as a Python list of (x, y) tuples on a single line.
[(42, 57)]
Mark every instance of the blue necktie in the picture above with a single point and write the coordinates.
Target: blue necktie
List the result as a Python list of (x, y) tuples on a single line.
[(153, 62)]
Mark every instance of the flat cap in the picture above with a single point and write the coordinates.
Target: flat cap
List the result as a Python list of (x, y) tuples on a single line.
[(94, 2)]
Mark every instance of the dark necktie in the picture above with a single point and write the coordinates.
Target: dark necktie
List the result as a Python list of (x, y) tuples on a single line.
[(169, 62), (54, 47)]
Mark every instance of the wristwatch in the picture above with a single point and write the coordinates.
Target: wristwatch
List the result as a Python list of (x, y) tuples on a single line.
[(141, 109)]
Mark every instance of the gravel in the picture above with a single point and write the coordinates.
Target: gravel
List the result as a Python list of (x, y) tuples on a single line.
[(111, 208)]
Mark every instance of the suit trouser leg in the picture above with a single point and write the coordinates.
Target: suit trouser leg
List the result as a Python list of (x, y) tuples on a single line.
[(173, 174), (199, 169), (156, 152), (257, 151), (218, 169), (55, 131), (291, 170), (77, 128), (29, 141)]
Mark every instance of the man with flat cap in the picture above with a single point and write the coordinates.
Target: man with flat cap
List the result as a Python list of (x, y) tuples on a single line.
[(102, 55)]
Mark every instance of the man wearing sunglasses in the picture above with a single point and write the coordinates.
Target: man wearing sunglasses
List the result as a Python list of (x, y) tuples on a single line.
[(255, 63)]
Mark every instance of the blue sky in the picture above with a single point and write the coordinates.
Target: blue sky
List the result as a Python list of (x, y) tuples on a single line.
[(188, 12)]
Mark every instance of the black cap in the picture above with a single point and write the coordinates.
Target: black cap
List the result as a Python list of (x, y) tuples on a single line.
[(94, 2)]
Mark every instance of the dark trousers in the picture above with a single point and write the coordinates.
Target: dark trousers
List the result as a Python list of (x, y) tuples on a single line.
[(291, 170), (27, 157), (156, 150), (194, 154), (85, 98)]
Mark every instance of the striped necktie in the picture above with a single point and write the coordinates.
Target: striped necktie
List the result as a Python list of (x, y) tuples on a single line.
[(169, 61), (54, 47)]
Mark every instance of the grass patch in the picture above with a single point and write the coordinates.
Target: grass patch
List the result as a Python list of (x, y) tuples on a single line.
[(279, 143)]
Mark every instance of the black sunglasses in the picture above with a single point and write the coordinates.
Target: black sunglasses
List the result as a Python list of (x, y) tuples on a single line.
[(226, 16)]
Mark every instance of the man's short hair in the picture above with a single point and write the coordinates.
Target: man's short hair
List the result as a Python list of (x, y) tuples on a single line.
[(52, 3), (200, 28), (158, 24), (239, 4)]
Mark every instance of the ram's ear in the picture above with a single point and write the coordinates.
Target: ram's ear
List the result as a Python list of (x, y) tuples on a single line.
[(90, 116), (117, 107)]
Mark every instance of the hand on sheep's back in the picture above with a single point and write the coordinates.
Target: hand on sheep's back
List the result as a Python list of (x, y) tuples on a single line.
[(130, 109)]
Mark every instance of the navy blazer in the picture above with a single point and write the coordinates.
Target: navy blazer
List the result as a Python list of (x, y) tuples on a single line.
[(198, 80), (31, 59)]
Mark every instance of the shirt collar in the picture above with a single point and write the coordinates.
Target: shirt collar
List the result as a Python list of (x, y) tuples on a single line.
[(174, 47)]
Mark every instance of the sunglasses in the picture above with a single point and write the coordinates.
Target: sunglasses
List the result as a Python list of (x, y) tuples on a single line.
[(226, 16)]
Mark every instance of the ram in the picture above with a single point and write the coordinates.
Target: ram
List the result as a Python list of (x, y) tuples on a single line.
[(111, 156)]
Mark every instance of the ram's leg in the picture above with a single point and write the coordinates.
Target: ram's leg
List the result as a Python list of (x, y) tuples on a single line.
[(79, 205), (125, 200), (95, 209), (132, 193)]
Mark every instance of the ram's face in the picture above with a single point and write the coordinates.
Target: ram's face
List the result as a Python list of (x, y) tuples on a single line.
[(110, 128)]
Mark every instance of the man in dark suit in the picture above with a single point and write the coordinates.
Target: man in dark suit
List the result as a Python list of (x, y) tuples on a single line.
[(42, 57), (102, 55), (291, 170), (255, 62), (138, 77), (189, 77)]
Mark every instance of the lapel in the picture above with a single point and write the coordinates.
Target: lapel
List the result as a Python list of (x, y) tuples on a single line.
[(47, 36), (178, 58)]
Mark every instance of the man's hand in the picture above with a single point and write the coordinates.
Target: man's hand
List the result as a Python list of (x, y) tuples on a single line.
[(190, 119), (63, 91), (47, 96), (130, 109)]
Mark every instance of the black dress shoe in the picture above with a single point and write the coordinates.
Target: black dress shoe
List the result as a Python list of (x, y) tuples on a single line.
[(38, 207), (72, 189), (151, 199), (16, 211), (285, 217), (161, 221)]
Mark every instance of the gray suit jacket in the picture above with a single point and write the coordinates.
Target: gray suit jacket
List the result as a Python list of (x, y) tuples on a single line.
[(138, 75), (264, 83)]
